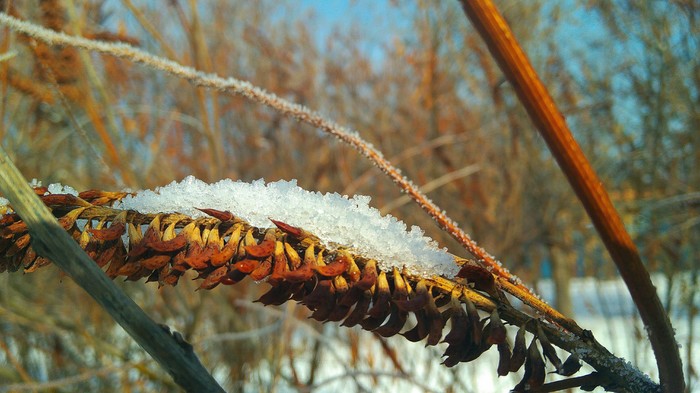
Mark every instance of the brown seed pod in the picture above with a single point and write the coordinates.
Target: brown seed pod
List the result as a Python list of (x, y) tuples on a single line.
[(360, 310), (28, 258), (538, 372), (15, 228), (474, 321), (246, 266), (353, 272), (497, 334), (233, 277), (459, 323), (280, 266), (263, 270), (136, 245), (226, 253), (38, 263), (381, 305), (316, 297), (155, 262), (570, 366), (503, 359), (264, 249), (396, 322), (197, 256), (341, 289), (277, 295), (437, 323), (549, 352), (338, 266), (292, 256), (18, 246), (519, 350), (324, 310), (418, 301), (310, 257), (369, 275), (421, 330), (339, 313), (534, 369), (114, 266), (106, 254), (218, 214), (302, 274), (214, 277), (169, 277), (482, 279), (63, 200), (442, 299), (174, 244), (288, 229), (115, 231), (128, 269)]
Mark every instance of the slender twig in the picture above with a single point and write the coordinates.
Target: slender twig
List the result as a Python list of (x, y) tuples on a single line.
[(50, 240), (552, 126), (301, 113)]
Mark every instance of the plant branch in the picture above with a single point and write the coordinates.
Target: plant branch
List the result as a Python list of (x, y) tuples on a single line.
[(303, 114), (50, 240), (552, 126)]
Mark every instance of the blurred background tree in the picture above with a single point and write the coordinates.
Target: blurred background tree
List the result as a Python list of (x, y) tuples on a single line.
[(418, 83)]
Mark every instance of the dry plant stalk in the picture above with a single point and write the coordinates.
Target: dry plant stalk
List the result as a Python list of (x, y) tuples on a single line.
[(505, 279), (590, 190), (336, 285)]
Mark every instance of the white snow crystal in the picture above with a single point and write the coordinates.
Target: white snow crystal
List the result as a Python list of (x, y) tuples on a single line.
[(335, 219), (58, 188)]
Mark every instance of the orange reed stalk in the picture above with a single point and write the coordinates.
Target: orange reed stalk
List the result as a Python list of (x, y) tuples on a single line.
[(588, 187)]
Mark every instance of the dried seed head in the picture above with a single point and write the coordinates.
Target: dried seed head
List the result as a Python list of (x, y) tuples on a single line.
[(335, 285)]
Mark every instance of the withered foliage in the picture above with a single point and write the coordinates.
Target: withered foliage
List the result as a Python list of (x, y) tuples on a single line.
[(336, 285)]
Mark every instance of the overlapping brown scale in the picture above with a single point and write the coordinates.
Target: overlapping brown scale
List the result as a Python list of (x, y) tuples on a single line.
[(101, 198), (321, 300), (547, 348), (360, 309), (534, 370), (229, 249), (343, 305), (333, 285), (497, 331), (519, 350), (381, 304), (504, 357), (480, 278)]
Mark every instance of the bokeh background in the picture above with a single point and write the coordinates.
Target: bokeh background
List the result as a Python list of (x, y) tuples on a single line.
[(417, 82)]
